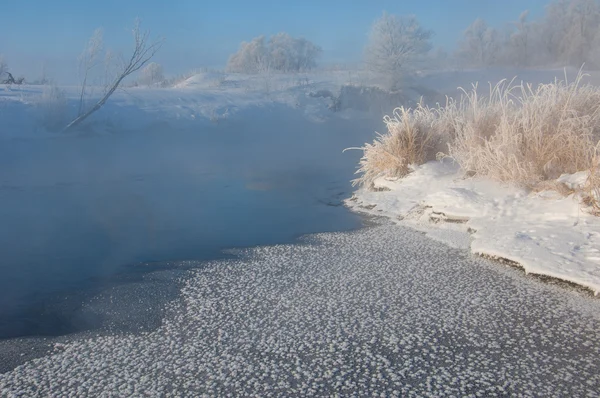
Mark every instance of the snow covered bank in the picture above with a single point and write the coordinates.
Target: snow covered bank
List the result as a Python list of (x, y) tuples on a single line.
[(545, 232)]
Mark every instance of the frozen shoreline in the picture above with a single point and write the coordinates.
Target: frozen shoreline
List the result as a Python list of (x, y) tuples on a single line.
[(544, 233)]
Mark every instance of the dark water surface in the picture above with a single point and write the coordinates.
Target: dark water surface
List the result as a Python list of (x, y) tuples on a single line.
[(84, 219)]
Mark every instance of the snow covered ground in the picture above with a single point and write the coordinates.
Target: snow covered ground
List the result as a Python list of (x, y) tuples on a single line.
[(544, 232), (196, 102), (214, 97), (383, 311)]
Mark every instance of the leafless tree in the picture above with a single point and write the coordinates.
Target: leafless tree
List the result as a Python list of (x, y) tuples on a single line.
[(479, 45), (520, 40), (567, 34), (11, 79), (143, 52), (396, 45)]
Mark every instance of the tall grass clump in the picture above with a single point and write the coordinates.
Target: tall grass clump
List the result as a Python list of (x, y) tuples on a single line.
[(414, 136), (517, 133), (527, 135)]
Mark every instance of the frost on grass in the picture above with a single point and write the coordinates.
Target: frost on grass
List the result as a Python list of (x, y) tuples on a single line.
[(518, 134), (413, 137), (379, 312)]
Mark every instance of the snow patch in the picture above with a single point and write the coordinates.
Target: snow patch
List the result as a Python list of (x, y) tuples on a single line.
[(547, 234)]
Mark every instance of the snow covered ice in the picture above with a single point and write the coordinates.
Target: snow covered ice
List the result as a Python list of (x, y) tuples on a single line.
[(383, 311)]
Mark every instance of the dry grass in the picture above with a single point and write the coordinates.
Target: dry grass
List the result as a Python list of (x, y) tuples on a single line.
[(414, 136), (517, 133), (528, 135)]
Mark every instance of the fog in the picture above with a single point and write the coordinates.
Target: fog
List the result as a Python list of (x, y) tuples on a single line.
[(232, 134), (46, 39), (76, 211)]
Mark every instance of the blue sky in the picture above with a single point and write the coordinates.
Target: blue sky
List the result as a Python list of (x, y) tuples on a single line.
[(203, 33)]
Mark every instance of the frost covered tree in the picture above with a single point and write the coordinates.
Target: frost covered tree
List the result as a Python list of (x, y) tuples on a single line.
[(142, 53), (567, 35), (250, 58), (152, 73), (570, 31), (552, 30), (479, 45), (583, 25), (282, 53), (288, 54), (520, 40), (306, 54), (396, 45)]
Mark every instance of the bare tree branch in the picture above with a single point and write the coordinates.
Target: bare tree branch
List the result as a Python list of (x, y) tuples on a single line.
[(142, 53)]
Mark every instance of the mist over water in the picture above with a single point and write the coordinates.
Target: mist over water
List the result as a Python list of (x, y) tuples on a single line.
[(77, 212)]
